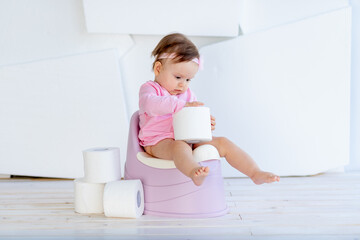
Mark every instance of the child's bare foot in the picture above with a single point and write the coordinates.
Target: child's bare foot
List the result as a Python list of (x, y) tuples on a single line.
[(199, 174), (261, 177)]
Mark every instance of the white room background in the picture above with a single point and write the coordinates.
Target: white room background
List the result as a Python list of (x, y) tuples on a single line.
[(70, 73)]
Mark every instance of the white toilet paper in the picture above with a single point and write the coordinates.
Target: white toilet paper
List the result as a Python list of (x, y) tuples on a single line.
[(88, 196), (192, 124), (124, 199), (102, 165)]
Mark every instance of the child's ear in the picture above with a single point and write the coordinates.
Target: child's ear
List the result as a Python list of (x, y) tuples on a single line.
[(157, 67)]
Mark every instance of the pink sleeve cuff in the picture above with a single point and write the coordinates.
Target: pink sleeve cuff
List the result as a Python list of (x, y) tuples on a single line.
[(180, 105)]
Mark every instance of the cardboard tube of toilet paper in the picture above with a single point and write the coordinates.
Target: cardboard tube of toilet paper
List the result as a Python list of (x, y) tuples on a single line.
[(88, 196), (192, 124), (124, 199), (102, 165)]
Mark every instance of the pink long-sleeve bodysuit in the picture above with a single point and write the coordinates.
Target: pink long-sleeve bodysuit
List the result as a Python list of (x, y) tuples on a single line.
[(156, 109)]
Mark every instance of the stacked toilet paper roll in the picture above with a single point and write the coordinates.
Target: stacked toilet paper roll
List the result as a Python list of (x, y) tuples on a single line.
[(102, 187), (124, 199), (102, 165), (88, 196), (192, 124)]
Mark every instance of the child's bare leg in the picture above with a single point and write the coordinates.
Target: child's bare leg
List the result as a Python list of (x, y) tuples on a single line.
[(241, 161), (181, 153)]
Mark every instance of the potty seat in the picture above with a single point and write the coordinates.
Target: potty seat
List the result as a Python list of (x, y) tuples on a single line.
[(168, 192)]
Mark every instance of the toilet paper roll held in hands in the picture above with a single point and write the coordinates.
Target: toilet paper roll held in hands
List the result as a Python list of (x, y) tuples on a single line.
[(88, 196), (192, 124), (124, 199), (102, 165)]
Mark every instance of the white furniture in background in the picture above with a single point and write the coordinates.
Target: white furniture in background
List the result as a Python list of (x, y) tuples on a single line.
[(199, 18), (293, 82), (258, 15), (51, 110), (44, 29), (283, 95)]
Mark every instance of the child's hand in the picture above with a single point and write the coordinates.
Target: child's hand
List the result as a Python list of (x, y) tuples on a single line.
[(194, 104), (213, 123)]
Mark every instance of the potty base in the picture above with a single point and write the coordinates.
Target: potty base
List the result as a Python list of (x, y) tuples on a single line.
[(178, 196)]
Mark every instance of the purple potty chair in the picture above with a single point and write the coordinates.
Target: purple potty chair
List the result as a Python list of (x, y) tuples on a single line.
[(169, 193)]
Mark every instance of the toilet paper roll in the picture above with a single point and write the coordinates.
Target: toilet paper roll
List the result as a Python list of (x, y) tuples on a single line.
[(124, 199), (102, 165), (88, 196), (192, 124)]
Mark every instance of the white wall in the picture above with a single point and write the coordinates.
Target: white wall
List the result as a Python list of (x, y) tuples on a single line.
[(39, 30), (355, 89)]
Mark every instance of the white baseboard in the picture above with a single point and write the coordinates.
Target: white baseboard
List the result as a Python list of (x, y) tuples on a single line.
[(5, 176)]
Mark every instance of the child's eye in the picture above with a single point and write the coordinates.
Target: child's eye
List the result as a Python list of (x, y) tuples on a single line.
[(177, 77), (188, 80)]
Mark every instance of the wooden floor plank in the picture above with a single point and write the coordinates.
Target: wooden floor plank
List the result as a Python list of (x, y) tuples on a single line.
[(325, 206)]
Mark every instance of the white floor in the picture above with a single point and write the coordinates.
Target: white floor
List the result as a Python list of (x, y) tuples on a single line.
[(319, 207)]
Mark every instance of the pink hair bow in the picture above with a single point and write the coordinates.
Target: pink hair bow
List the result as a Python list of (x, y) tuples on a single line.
[(199, 61)]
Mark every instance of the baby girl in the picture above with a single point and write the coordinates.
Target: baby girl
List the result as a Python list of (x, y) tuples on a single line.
[(176, 63)]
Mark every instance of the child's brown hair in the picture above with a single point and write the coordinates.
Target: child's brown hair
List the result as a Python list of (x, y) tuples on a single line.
[(177, 44)]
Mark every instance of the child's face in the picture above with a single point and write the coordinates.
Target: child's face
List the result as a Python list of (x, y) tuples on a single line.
[(175, 77)]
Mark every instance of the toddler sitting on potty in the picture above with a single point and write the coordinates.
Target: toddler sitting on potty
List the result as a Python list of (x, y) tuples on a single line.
[(176, 62)]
